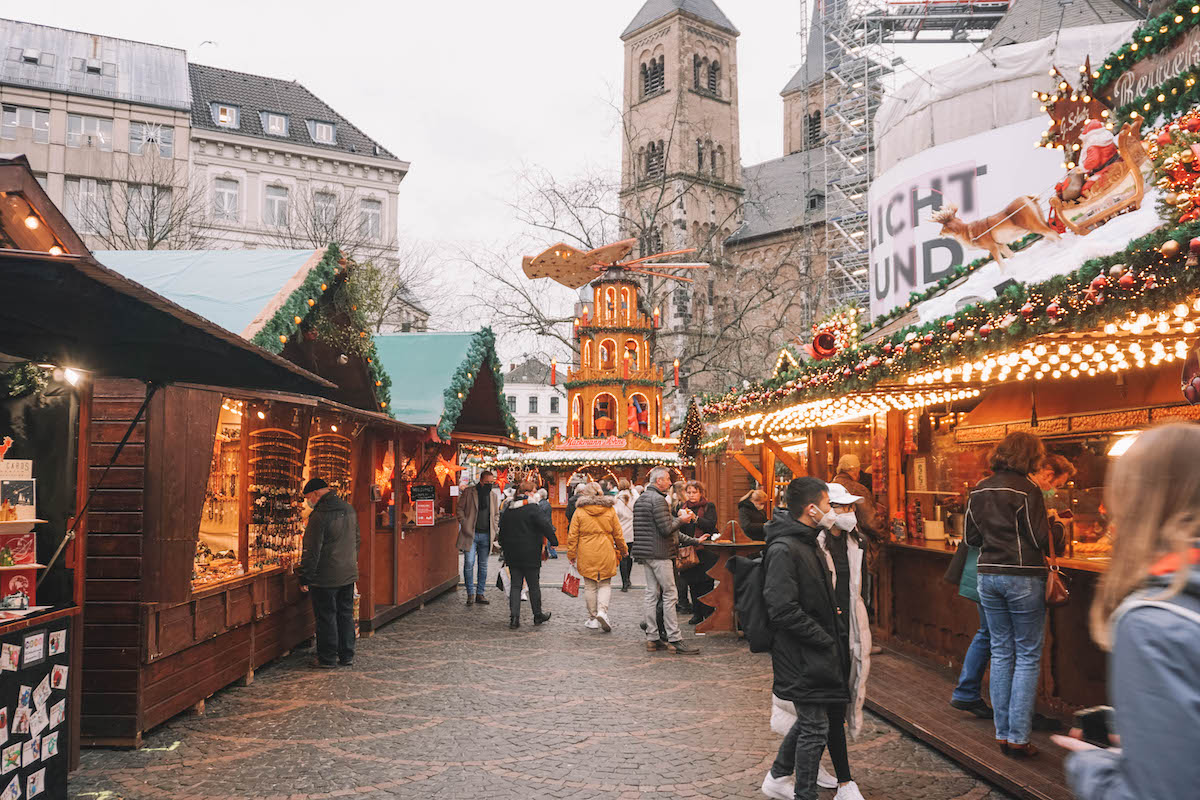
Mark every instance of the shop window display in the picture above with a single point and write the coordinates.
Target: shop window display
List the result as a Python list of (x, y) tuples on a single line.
[(217, 551)]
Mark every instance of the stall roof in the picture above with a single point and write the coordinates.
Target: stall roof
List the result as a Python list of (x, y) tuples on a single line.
[(233, 288), (449, 380), (67, 309)]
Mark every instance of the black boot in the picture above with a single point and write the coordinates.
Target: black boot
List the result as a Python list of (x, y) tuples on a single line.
[(538, 619), (514, 622)]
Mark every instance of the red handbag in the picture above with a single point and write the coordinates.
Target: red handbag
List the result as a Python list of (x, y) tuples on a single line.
[(570, 584)]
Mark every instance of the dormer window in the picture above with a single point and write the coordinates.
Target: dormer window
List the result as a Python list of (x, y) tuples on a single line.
[(31, 55), (322, 132), (225, 115), (274, 124)]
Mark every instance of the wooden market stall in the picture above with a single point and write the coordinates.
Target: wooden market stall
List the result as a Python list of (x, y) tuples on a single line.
[(66, 323), (448, 388), (197, 528)]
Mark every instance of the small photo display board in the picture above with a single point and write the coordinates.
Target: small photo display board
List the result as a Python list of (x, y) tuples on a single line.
[(18, 499)]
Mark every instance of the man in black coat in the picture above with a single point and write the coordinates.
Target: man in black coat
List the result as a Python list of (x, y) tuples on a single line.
[(328, 569), (809, 654), (523, 527)]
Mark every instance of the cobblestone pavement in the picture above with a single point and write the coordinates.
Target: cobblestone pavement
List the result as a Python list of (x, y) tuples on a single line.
[(448, 703)]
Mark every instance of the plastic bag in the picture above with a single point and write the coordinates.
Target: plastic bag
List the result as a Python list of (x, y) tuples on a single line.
[(505, 580)]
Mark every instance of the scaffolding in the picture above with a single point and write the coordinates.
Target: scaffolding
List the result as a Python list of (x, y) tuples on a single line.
[(850, 53)]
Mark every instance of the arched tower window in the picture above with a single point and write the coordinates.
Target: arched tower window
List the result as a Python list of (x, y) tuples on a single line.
[(626, 305), (608, 354), (632, 350), (714, 77), (655, 163), (586, 353), (812, 128), (610, 304), (699, 155), (653, 76), (639, 414), (604, 414), (696, 71), (576, 417)]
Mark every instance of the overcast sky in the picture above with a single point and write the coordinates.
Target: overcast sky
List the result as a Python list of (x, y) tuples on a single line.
[(468, 91)]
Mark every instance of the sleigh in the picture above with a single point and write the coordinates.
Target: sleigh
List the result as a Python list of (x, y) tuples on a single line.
[(1119, 188)]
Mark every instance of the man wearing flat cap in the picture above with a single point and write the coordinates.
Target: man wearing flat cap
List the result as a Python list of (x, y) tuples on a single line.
[(328, 569)]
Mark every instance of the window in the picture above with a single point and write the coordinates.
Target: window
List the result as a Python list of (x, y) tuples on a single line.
[(554, 404), (86, 203), (89, 132), (274, 124), (699, 156), (714, 77), (654, 76), (655, 165), (533, 404), (815, 200), (533, 432), (225, 199), (812, 128), (324, 207), (21, 117), (275, 211), (650, 243), (149, 133), (31, 55), (322, 132), (148, 211), (512, 403), (226, 116), (371, 225)]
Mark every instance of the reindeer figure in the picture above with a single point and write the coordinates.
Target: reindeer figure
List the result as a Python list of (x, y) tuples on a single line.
[(995, 232), (8, 443)]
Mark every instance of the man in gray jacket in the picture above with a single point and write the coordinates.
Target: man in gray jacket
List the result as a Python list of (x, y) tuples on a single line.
[(656, 540), (328, 569)]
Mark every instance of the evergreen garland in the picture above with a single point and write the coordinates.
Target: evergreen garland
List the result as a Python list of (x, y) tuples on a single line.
[(305, 304), (21, 380), (625, 384), (1161, 31), (1017, 316), (482, 350)]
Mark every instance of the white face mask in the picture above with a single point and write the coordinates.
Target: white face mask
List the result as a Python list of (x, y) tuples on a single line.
[(825, 520), (846, 521)]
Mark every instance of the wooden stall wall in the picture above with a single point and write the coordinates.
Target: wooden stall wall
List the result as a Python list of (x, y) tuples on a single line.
[(111, 680)]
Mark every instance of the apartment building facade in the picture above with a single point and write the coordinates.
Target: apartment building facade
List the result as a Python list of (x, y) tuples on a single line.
[(539, 406)]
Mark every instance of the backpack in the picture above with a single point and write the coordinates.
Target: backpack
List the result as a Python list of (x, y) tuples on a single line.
[(751, 607)]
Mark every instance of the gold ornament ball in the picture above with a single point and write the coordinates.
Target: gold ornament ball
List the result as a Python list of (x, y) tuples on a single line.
[(1170, 198), (1169, 248), (1187, 157), (1116, 270), (1183, 197)]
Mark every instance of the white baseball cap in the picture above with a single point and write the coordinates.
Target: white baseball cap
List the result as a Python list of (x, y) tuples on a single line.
[(838, 495)]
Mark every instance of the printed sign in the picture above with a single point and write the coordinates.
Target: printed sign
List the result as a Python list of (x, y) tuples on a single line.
[(16, 469), (426, 512), (609, 443), (1154, 71), (979, 174), (423, 491)]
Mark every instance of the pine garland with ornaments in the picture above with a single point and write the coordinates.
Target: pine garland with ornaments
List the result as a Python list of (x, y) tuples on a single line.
[(1149, 276), (1173, 149)]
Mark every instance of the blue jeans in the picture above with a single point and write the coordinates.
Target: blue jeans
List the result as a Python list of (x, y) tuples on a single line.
[(975, 663), (1015, 607), (478, 554)]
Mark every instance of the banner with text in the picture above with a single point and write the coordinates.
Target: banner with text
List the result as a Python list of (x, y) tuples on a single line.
[(980, 174)]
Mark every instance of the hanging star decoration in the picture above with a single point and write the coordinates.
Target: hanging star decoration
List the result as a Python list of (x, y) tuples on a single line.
[(1070, 109), (445, 469)]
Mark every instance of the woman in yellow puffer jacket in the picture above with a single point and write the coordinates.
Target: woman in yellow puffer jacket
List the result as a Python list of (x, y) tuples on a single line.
[(595, 546)]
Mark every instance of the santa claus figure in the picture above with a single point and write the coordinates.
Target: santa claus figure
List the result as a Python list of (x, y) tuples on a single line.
[(1097, 147)]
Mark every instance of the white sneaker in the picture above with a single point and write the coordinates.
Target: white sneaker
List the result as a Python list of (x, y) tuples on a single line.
[(849, 792), (593, 624), (604, 623), (780, 788), (825, 780)]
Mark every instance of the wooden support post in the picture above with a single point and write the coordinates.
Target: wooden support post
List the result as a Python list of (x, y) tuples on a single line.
[(787, 458), (247, 679), (745, 462), (767, 459), (198, 709), (818, 447)]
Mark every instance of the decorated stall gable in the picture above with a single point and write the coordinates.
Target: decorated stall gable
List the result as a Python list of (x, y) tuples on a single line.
[(441, 374)]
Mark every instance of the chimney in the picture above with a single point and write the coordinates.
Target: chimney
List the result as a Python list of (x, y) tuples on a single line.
[(512, 367)]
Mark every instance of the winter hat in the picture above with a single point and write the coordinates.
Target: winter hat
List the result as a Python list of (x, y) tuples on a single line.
[(314, 485), (848, 462)]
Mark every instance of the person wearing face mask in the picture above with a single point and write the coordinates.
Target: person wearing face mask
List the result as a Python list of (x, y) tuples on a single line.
[(809, 651), (327, 571)]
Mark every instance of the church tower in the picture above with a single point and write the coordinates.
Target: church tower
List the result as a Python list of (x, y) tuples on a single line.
[(681, 173)]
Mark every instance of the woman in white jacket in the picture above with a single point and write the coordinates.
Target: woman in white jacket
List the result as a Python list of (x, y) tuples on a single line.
[(624, 506), (844, 554)]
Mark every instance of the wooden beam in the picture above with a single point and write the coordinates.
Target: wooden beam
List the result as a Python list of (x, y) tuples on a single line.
[(745, 462), (789, 460)]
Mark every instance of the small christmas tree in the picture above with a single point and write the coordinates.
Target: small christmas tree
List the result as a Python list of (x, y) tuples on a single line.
[(689, 435)]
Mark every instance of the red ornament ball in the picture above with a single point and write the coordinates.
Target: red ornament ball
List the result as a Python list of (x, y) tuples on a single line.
[(1027, 309), (846, 372), (929, 338), (1127, 281), (1164, 137), (949, 324), (1193, 124), (1053, 310), (887, 347), (985, 330), (1099, 282)]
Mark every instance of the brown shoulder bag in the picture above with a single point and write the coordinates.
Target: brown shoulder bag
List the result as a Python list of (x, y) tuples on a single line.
[(1057, 593)]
